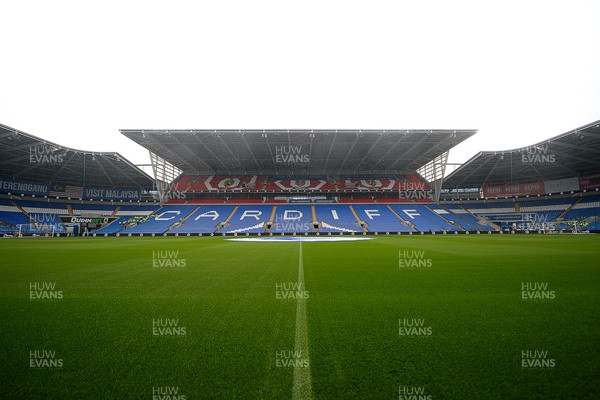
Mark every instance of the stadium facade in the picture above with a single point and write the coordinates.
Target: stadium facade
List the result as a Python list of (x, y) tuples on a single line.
[(299, 182)]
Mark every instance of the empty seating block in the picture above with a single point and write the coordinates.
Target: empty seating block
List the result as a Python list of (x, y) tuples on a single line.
[(423, 219), (293, 218), (162, 220), (249, 219), (379, 218), (336, 218), (205, 220)]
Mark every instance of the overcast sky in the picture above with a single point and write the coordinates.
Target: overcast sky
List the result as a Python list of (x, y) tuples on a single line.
[(75, 72)]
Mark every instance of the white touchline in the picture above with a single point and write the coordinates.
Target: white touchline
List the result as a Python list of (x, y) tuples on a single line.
[(301, 389)]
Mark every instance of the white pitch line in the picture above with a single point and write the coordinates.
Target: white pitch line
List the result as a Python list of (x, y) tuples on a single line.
[(301, 389)]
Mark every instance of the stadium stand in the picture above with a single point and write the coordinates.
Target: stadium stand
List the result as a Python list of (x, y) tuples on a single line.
[(343, 188)]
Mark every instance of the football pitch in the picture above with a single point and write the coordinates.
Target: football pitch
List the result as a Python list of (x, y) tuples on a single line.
[(409, 317)]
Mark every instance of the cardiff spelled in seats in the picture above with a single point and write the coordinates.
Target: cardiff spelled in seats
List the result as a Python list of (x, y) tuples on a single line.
[(162, 220), (336, 218), (293, 218), (379, 218), (423, 218), (249, 219), (206, 219)]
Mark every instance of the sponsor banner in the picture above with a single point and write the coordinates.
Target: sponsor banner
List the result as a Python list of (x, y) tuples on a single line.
[(561, 185), (24, 187), (60, 190), (589, 182), (95, 193), (517, 189), (86, 220)]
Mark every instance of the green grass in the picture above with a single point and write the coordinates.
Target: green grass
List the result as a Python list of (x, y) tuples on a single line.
[(225, 298)]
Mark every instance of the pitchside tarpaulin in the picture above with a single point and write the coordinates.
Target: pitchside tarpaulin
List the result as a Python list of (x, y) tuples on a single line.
[(519, 189), (16, 186), (96, 193), (561, 185)]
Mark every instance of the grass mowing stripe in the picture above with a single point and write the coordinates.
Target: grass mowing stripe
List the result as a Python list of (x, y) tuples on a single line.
[(301, 389)]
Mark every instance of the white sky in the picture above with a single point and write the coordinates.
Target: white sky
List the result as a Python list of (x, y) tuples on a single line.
[(75, 72)]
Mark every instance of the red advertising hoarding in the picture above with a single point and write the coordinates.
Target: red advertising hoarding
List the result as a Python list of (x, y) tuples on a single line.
[(517, 189), (589, 182)]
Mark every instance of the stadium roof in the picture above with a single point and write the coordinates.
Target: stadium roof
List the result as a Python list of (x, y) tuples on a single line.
[(27, 157), (575, 153), (315, 152)]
